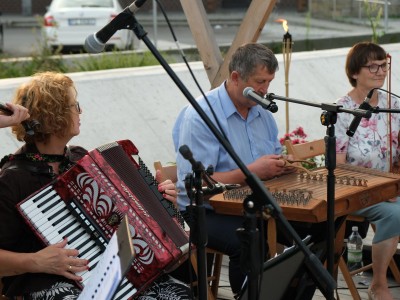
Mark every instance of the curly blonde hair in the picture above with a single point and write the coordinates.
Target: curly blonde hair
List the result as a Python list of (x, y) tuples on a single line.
[(47, 97)]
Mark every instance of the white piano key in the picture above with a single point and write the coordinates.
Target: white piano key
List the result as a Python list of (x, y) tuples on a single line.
[(86, 277), (95, 260), (86, 246), (60, 215), (29, 210), (132, 291), (88, 250), (75, 243), (63, 231), (46, 217), (125, 287), (51, 232), (88, 255), (78, 231), (31, 201), (40, 214)]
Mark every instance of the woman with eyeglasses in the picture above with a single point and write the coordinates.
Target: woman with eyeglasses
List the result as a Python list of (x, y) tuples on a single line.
[(28, 269), (367, 68)]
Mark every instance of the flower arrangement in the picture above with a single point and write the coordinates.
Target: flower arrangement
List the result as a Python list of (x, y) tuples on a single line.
[(298, 136)]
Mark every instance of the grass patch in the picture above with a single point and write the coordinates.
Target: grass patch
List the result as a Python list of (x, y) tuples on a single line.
[(46, 59)]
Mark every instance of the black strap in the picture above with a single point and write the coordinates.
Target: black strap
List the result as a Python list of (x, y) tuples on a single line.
[(35, 169)]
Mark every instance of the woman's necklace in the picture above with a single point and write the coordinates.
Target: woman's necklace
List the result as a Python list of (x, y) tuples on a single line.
[(63, 159)]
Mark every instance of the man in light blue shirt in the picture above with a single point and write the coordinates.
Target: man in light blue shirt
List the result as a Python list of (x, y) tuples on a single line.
[(252, 132)]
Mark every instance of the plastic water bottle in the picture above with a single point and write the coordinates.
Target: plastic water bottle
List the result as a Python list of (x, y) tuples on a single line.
[(354, 251)]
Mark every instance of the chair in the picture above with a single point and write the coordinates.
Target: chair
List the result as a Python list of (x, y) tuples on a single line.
[(316, 148), (169, 172)]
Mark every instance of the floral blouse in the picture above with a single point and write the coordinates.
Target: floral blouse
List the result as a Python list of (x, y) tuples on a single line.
[(369, 147)]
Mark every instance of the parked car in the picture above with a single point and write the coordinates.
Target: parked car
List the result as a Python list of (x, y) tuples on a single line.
[(67, 23)]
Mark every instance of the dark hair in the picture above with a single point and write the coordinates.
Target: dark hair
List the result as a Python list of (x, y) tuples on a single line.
[(248, 57), (359, 55)]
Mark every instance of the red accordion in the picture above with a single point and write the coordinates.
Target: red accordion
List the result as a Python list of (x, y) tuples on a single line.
[(87, 203)]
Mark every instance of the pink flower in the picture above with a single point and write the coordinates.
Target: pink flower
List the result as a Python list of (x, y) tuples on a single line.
[(393, 136), (300, 132), (364, 122), (297, 136), (373, 124)]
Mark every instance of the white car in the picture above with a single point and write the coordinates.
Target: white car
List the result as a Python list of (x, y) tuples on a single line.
[(67, 23)]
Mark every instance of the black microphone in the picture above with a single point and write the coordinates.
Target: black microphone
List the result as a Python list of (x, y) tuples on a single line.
[(356, 121), (219, 188), (96, 42), (29, 126), (266, 104)]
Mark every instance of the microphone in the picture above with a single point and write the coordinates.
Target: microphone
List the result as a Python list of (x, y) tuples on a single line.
[(266, 104), (219, 188), (356, 121), (29, 126), (96, 42)]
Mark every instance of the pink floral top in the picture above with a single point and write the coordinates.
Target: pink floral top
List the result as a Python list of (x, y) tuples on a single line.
[(369, 147)]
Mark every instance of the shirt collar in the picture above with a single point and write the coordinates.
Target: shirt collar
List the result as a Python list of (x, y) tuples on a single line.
[(229, 108)]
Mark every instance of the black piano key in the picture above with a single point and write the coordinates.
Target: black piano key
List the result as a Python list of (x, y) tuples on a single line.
[(126, 289), (83, 243), (61, 219), (45, 218), (92, 259), (44, 211), (45, 201), (96, 233), (71, 241), (82, 254), (66, 227)]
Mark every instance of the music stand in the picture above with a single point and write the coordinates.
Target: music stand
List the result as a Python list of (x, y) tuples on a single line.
[(289, 268), (116, 260)]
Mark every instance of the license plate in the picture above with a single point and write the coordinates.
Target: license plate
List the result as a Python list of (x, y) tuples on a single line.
[(81, 22)]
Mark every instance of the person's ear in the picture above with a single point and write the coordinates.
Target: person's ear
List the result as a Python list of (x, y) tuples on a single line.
[(235, 77)]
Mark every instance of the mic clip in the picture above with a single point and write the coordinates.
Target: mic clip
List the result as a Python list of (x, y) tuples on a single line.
[(219, 188)]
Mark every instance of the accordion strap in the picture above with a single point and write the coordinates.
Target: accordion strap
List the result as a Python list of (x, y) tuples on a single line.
[(30, 167)]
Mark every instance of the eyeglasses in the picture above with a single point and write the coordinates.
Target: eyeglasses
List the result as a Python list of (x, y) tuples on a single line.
[(78, 108), (374, 67)]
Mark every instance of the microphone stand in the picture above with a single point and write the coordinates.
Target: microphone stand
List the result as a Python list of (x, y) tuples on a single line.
[(262, 197), (328, 118), (197, 217), (377, 110)]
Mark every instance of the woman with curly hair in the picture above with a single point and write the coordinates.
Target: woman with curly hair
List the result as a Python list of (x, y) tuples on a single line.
[(28, 269)]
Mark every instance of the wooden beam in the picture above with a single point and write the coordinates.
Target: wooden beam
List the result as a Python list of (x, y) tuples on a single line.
[(249, 31), (203, 35)]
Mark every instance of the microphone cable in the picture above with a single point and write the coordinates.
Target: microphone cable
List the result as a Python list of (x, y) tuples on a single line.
[(190, 69)]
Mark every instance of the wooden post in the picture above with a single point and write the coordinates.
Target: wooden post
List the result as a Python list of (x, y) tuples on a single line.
[(203, 34)]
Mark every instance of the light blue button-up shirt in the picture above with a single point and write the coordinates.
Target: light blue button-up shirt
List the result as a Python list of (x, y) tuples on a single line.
[(251, 138)]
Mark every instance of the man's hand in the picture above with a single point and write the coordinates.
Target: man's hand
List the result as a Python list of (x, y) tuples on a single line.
[(270, 166)]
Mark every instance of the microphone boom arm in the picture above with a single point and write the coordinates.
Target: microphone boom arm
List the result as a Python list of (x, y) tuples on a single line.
[(324, 106)]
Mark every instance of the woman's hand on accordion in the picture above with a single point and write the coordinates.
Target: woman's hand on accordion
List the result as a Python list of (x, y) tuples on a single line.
[(55, 259), (167, 188)]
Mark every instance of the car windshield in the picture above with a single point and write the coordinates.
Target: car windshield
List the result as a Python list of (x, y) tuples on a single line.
[(81, 3)]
